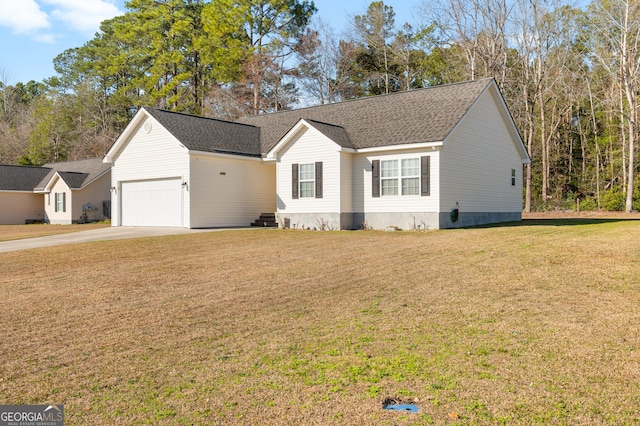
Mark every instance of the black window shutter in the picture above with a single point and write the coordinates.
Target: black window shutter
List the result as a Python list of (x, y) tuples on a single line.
[(375, 178), (319, 179), (55, 202), (425, 176), (294, 181)]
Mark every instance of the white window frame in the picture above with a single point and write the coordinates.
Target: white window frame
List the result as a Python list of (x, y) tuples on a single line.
[(59, 207), (406, 175), (308, 178), (400, 173), (389, 175)]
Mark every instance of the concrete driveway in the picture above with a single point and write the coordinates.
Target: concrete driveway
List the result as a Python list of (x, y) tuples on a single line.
[(102, 234)]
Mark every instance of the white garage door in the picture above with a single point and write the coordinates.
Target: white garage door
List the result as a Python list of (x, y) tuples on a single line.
[(152, 203)]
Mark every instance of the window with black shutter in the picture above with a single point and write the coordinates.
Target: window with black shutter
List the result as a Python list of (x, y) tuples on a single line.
[(425, 176), (375, 178), (294, 183), (319, 179)]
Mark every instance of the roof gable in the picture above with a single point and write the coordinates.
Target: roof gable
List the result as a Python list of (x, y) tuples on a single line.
[(76, 174), (419, 116), (336, 134), (73, 180), (196, 133)]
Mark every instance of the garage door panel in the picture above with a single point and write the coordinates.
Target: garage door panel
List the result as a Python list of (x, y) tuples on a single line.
[(152, 203)]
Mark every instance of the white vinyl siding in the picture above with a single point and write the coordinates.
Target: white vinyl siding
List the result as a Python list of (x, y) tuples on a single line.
[(149, 156), (477, 162), (226, 191), (310, 146), (365, 202), (346, 182)]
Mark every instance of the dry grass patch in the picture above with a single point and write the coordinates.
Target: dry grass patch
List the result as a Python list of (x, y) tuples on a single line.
[(527, 324), (19, 232)]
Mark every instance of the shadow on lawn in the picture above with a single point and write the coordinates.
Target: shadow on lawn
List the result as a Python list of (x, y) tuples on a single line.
[(553, 222)]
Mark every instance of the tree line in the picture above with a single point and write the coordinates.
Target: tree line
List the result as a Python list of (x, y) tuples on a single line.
[(570, 75)]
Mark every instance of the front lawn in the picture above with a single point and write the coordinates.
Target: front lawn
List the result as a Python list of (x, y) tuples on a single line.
[(530, 324), (19, 232)]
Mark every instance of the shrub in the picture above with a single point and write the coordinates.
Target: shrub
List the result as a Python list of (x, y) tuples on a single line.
[(613, 200)]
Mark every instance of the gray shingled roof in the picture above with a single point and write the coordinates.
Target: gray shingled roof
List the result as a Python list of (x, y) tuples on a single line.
[(337, 134), (209, 134), (21, 178), (90, 168), (425, 115), (73, 180)]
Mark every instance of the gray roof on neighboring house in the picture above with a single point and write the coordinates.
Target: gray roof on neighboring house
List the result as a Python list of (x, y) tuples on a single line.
[(209, 134), (74, 180), (76, 174), (21, 178), (425, 115)]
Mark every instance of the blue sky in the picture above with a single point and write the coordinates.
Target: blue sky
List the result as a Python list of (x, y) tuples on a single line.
[(33, 32)]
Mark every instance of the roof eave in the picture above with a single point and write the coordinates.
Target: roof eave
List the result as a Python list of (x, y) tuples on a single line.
[(402, 147), (220, 154)]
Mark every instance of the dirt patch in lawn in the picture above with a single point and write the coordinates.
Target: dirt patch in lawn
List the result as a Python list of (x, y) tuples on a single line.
[(507, 325)]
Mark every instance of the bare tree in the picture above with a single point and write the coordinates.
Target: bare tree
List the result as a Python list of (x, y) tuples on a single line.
[(480, 28), (317, 55), (617, 49)]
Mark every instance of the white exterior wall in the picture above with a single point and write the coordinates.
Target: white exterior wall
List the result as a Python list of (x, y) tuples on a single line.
[(476, 163), (402, 211), (52, 216), (347, 161), (226, 191), (148, 156), (23, 206), (311, 146), (365, 202)]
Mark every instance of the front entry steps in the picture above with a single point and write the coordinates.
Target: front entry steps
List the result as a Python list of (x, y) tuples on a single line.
[(266, 220)]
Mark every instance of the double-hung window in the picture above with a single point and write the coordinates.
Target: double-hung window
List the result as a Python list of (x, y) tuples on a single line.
[(307, 180), (389, 177), (60, 201), (406, 176), (410, 173), (400, 177)]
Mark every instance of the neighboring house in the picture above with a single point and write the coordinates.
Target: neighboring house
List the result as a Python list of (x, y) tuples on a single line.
[(57, 193), (441, 157), (18, 203)]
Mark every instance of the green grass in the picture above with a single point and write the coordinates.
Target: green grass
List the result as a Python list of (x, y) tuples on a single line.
[(529, 324)]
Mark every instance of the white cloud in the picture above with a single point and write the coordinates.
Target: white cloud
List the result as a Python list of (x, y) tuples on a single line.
[(24, 16), (83, 16)]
